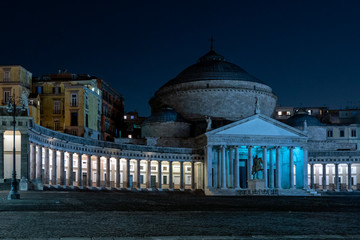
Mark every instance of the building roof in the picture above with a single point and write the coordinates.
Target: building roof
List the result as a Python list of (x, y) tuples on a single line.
[(212, 66), (300, 117)]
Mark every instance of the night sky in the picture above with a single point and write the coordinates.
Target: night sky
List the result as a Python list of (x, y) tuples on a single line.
[(307, 51)]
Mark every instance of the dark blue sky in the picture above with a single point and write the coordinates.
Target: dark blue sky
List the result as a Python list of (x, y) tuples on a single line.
[(307, 51)]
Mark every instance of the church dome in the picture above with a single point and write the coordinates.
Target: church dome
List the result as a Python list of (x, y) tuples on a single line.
[(212, 66), (216, 88), (300, 117), (165, 114)]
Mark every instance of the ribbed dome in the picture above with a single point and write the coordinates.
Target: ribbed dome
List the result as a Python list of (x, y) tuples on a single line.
[(299, 118), (212, 66), (166, 114)]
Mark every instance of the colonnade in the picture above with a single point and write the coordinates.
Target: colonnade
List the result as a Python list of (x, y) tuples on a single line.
[(56, 167), (224, 171), (325, 182)]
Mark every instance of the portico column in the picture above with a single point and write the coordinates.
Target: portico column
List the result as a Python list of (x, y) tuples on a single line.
[(291, 170), (62, 168), (79, 172), (271, 169), (47, 166), (108, 171), (39, 163), (89, 173), (337, 177), (349, 178), (24, 161), (312, 175), (98, 170), (265, 175), (54, 167), (223, 169), (305, 166), (128, 172), (171, 185), (181, 175), (192, 175), (125, 173), (2, 154), (230, 180), (236, 169), (208, 170), (249, 163), (278, 168), (324, 177), (117, 172), (71, 169), (159, 175), (148, 174), (138, 161), (32, 161)]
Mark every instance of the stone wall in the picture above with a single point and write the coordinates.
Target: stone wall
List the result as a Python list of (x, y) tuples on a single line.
[(166, 129)]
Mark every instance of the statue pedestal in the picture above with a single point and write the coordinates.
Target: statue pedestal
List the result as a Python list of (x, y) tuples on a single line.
[(256, 184)]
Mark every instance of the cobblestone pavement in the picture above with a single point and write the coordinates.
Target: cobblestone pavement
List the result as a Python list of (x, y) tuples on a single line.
[(74, 215)]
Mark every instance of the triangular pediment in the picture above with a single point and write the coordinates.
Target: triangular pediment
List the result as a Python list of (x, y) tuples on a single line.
[(258, 125)]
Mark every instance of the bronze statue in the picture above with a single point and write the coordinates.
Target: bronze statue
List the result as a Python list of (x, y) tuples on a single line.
[(257, 166)]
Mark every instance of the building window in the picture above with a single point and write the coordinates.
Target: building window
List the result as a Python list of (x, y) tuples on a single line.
[(56, 125), (280, 113), (153, 168), (132, 117), (56, 106), (6, 96), (73, 100), (125, 117), (6, 74), (39, 89), (342, 133), (309, 112), (99, 107), (353, 132), (74, 119), (165, 180), (288, 113), (330, 133), (86, 120), (86, 101), (141, 179), (56, 90), (129, 136)]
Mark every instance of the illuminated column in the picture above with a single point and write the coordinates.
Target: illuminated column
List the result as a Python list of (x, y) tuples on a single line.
[(265, 175), (138, 161), (159, 175), (108, 171), (71, 169), (312, 176), (98, 170), (62, 168), (230, 176), (32, 161), (2, 155), (39, 163), (148, 174), (79, 172), (236, 168), (278, 168), (324, 177), (291, 165), (208, 170), (54, 167), (349, 178), (223, 168), (88, 157), (305, 167), (47, 166), (249, 175), (337, 177), (125, 173), (192, 175), (171, 185), (271, 170), (117, 172), (181, 175)]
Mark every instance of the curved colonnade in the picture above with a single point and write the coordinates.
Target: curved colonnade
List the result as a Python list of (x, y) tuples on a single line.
[(63, 160)]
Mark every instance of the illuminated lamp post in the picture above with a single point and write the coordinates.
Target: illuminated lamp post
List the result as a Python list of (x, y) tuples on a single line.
[(14, 186)]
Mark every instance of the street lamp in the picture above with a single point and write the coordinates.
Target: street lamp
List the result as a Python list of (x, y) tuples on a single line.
[(14, 186)]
